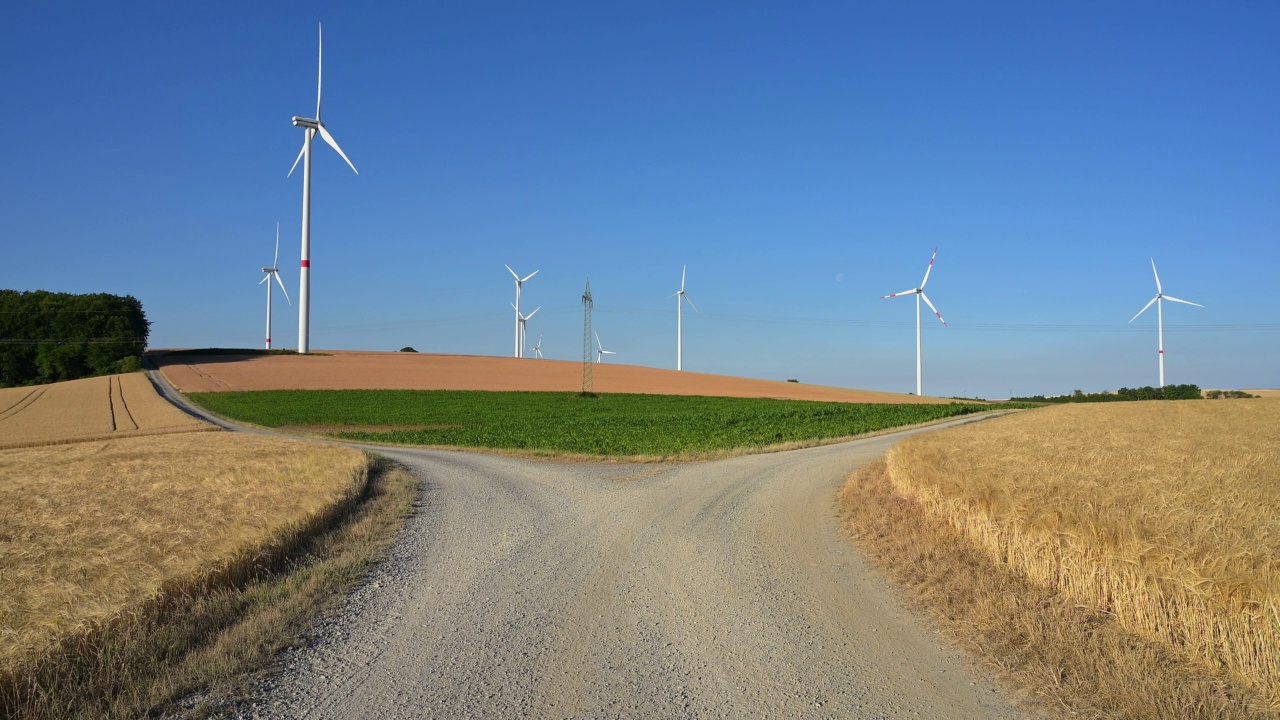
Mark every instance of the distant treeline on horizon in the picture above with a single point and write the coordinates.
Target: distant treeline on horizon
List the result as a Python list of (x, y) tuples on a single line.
[(48, 337), (1168, 392)]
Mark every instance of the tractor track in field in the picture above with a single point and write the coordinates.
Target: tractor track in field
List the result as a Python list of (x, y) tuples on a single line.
[(710, 589)]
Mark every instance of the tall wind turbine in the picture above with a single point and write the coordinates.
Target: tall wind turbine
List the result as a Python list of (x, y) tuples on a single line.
[(519, 319), (1157, 300), (273, 271), (520, 329), (919, 293), (537, 349), (681, 296), (310, 128), (602, 352)]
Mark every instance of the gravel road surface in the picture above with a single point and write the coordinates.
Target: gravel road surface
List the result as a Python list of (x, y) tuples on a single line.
[(720, 589), (526, 589)]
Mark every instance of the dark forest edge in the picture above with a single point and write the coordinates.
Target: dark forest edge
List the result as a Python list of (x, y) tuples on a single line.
[(48, 337)]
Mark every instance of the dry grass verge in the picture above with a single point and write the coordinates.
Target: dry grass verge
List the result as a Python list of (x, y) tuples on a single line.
[(1068, 661), (135, 570)]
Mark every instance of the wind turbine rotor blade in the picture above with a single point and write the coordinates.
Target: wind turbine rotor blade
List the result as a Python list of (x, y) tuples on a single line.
[(683, 269), (1144, 308), (535, 272), (934, 309), (929, 269), (319, 69), (276, 263), (1159, 290), (912, 291), (535, 312), (598, 343), (686, 299), (513, 272), (1184, 302), (286, 292), (265, 278), (298, 159), (334, 144)]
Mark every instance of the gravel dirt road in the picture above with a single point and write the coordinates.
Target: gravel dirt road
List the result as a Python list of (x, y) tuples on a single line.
[(706, 590)]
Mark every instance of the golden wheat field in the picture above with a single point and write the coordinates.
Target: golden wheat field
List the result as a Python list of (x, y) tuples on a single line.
[(89, 529), (92, 408), (1165, 515)]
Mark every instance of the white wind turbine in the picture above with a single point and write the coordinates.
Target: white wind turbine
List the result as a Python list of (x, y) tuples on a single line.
[(1157, 300), (602, 352), (520, 328), (680, 295), (273, 271), (537, 349), (520, 319), (310, 128), (919, 293)]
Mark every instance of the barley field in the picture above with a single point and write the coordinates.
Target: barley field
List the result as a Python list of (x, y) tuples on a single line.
[(1163, 515), (91, 529), (92, 408)]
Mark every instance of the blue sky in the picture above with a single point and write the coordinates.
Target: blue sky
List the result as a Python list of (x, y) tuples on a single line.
[(801, 160)]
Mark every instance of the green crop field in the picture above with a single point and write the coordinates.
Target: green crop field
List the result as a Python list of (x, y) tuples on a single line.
[(562, 422)]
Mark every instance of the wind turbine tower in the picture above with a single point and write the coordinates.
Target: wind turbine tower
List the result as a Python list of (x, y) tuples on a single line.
[(523, 319), (310, 128), (681, 298), (1158, 301), (519, 318), (919, 293), (273, 271)]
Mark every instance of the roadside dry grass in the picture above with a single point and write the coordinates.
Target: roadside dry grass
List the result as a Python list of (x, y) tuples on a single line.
[(1159, 516), (1066, 660), (126, 566), (92, 408)]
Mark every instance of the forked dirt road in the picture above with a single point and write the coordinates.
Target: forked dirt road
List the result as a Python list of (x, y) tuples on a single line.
[(531, 589), (525, 589)]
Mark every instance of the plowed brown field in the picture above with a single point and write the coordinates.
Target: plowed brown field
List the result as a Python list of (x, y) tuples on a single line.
[(353, 370)]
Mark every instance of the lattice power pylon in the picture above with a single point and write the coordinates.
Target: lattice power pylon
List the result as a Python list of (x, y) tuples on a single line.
[(588, 380)]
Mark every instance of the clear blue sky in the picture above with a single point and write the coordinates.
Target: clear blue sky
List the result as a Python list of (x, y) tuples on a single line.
[(801, 160)]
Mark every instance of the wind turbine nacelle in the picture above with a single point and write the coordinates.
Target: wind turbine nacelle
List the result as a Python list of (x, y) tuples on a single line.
[(305, 122), (268, 270)]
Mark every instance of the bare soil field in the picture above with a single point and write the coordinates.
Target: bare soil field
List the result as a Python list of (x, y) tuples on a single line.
[(351, 370), (114, 406)]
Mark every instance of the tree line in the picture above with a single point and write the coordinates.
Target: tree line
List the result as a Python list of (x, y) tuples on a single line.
[(1168, 392), (49, 337)]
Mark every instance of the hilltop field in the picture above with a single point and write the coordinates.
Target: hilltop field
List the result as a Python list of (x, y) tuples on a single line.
[(350, 370)]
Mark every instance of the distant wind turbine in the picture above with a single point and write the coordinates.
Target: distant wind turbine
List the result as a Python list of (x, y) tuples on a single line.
[(602, 352), (270, 272), (520, 319), (1157, 300), (919, 293), (537, 349), (679, 296), (311, 128)]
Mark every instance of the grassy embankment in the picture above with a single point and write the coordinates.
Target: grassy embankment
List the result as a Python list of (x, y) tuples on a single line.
[(135, 570), (658, 426), (1122, 560)]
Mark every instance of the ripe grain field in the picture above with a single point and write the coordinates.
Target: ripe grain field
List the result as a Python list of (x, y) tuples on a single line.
[(112, 406), (1160, 515), (608, 425)]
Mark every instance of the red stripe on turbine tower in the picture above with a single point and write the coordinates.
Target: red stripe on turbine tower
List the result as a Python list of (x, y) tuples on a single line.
[(306, 263)]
